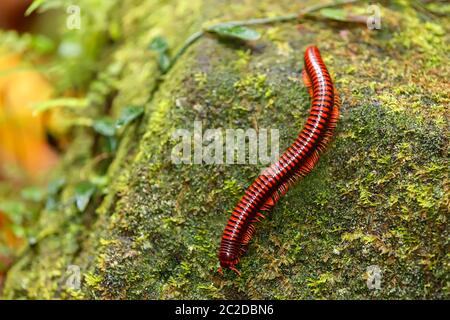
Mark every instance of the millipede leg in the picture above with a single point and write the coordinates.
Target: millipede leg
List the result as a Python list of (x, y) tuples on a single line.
[(307, 82), (235, 270)]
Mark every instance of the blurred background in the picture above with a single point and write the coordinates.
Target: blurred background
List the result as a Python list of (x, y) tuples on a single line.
[(41, 57), (26, 152)]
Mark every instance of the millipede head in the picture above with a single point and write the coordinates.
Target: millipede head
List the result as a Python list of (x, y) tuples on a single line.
[(228, 261)]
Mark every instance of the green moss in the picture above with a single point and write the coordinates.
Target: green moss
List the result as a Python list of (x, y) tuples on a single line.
[(377, 197)]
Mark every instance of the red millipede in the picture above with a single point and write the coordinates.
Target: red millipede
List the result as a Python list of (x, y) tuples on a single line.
[(297, 161)]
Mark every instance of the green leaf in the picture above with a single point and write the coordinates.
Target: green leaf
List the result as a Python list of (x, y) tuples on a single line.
[(159, 44), (111, 144), (34, 6), (55, 186), (18, 230), (100, 181), (105, 126), (44, 5), (42, 44), (334, 14), (61, 102), (129, 114), (83, 193), (233, 31), (52, 190), (14, 209), (342, 15), (32, 194), (164, 62)]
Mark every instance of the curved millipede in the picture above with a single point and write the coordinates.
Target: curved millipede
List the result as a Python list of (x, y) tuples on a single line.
[(296, 162)]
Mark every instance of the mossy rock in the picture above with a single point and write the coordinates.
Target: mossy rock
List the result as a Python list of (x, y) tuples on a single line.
[(378, 196)]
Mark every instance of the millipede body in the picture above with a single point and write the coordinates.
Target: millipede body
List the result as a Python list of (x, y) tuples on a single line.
[(296, 162)]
